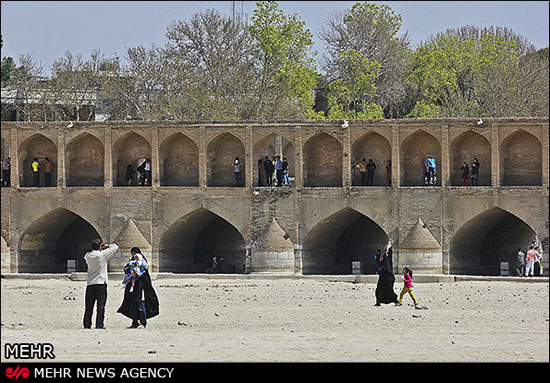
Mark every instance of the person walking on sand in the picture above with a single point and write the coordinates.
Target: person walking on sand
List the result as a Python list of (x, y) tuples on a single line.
[(96, 286), (384, 287), (407, 286), (530, 259)]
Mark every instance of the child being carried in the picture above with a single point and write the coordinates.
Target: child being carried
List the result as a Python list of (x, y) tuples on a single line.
[(133, 270)]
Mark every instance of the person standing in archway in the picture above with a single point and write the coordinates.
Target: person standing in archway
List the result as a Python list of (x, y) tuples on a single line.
[(475, 172), (6, 172), (48, 169), (237, 169), (530, 259), (384, 288), (370, 172), (362, 166), (96, 285), (465, 174), (388, 172), (268, 167), (35, 168)]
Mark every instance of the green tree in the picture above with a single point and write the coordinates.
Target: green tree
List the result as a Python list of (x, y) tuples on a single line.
[(473, 71), (352, 95), (372, 30), (8, 65), (285, 68)]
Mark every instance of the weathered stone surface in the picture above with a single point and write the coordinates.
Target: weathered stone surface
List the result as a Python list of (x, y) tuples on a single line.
[(192, 211)]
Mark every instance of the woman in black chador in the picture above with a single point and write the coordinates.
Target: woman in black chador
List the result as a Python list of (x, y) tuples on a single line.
[(384, 287), (140, 302)]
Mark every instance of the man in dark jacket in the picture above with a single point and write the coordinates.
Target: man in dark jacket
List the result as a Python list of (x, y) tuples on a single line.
[(268, 167)]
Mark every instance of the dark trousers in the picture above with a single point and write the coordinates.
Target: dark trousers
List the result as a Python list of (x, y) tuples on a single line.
[(370, 178), (520, 270), (35, 179), (269, 178), (139, 314), (95, 293), (279, 177), (238, 178), (48, 179), (363, 178), (5, 178)]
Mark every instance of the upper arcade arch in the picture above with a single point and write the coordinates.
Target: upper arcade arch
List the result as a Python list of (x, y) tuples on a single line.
[(222, 151), (322, 161), (41, 147), (130, 149), (179, 161), (521, 160), (371, 145), (415, 150), (465, 148), (85, 160)]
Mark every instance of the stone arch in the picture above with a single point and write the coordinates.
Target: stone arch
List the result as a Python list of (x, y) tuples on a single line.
[(373, 146), (132, 148), (271, 145), (189, 244), (487, 239), (85, 161), (221, 154), (48, 242), (179, 161), (346, 236), (415, 150), (322, 161), (521, 160), (465, 148), (41, 147)]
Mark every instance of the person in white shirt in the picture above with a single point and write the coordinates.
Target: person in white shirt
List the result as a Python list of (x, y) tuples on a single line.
[(96, 289)]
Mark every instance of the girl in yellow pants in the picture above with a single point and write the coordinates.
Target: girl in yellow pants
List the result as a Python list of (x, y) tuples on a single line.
[(407, 288)]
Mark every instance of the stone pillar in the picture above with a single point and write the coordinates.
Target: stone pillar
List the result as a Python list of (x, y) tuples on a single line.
[(495, 157), (346, 158), (298, 159), (298, 259), (445, 167), (249, 161), (545, 159), (61, 179), (14, 155), (395, 160), (108, 158), (202, 157), (155, 158)]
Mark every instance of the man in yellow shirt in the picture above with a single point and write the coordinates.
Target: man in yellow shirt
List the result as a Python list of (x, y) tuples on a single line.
[(35, 166)]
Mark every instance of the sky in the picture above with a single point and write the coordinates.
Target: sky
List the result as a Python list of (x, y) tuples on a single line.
[(46, 29)]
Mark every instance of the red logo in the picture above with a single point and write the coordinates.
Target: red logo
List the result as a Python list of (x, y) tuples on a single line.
[(19, 371)]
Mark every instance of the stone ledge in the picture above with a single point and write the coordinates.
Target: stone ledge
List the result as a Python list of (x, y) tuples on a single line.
[(370, 278)]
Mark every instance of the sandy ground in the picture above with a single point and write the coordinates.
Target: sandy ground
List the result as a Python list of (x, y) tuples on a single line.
[(287, 320)]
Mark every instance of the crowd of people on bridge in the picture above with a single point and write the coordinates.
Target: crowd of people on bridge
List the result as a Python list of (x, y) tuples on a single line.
[(271, 172)]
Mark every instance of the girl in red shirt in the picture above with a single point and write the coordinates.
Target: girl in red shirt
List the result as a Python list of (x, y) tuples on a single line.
[(407, 288)]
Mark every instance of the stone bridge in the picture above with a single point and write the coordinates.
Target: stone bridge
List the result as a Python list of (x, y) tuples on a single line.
[(319, 224)]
